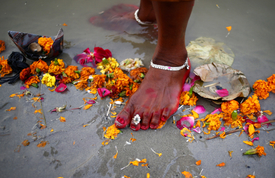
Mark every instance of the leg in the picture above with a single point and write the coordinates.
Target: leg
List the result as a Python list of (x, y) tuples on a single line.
[(158, 96)]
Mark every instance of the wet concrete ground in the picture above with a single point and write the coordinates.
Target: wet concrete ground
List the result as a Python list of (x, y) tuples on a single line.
[(251, 39)]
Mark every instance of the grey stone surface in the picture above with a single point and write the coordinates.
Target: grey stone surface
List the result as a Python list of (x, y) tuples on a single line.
[(251, 39)]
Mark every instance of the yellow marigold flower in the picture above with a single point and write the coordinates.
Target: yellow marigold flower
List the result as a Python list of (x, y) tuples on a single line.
[(2, 46), (251, 105), (71, 71), (48, 80), (38, 66), (4, 67), (107, 65), (271, 83), (185, 99), (248, 143), (261, 88), (229, 106), (112, 132), (229, 121), (46, 43), (56, 67)]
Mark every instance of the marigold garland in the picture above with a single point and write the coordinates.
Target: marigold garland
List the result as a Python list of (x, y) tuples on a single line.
[(185, 99), (261, 89), (4, 67), (2, 46), (46, 43)]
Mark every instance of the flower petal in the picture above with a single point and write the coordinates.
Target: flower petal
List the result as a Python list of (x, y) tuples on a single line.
[(222, 92), (61, 87), (197, 130), (23, 88), (91, 102), (78, 57), (262, 118), (257, 138), (199, 109), (103, 92), (216, 110), (87, 51), (222, 129), (186, 87), (190, 120)]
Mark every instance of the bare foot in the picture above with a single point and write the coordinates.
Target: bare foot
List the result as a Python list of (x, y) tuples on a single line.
[(121, 17), (156, 99)]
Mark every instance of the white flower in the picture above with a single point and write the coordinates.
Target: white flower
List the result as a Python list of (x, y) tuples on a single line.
[(130, 64), (136, 119)]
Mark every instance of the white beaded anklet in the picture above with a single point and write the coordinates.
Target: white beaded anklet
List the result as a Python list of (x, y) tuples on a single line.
[(139, 21), (170, 68)]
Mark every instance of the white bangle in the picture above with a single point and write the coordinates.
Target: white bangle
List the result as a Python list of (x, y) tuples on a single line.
[(170, 68), (139, 21)]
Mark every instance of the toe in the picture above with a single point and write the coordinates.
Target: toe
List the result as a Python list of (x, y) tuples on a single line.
[(123, 118), (165, 114), (155, 120), (145, 123), (135, 126)]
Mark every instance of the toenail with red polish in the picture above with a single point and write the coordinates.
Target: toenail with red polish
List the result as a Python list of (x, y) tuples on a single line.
[(121, 120)]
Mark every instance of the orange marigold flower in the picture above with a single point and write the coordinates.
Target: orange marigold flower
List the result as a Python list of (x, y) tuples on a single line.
[(2, 46), (98, 81), (71, 71), (260, 150), (66, 80), (31, 80), (271, 83), (261, 88), (229, 106), (81, 84), (234, 123), (4, 67), (251, 105), (46, 43), (56, 67), (38, 66), (135, 86), (139, 73), (25, 73), (86, 72), (213, 121), (185, 99)]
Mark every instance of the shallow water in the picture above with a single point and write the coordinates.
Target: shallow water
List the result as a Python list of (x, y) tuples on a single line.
[(251, 40)]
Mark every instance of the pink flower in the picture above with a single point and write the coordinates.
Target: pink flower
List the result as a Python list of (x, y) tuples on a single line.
[(103, 92), (263, 118), (222, 92), (183, 120), (61, 87), (85, 57), (100, 53), (194, 78), (197, 130)]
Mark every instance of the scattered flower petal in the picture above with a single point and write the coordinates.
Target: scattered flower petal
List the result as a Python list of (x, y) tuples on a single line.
[(229, 28), (222, 129), (248, 143), (222, 92), (42, 144), (62, 119), (257, 138), (216, 110), (183, 120), (25, 142), (221, 164), (61, 87), (197, 130), (230, 153), (198, 162), (103, 92), (199, 109), (23, 88), (11, 109), (187, 174)]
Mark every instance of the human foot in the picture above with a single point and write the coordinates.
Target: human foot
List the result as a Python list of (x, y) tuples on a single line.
[(156, 99), (121, 17)]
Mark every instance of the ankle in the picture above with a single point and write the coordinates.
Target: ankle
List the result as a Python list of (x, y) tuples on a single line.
[(146, 12), (170, 59)]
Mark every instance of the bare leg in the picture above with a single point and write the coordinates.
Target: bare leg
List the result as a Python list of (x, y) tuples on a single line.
[(158, 96)]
